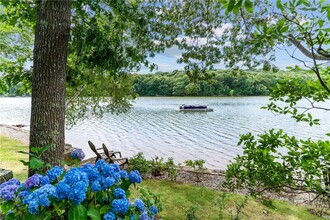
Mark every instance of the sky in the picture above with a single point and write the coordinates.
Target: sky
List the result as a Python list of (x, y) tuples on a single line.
[(167, 61)]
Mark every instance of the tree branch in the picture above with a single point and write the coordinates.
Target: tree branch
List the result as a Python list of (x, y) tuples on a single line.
[(306, 52)]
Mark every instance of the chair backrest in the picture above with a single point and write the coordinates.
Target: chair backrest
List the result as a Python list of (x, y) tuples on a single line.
[(106, 151), (93, 148)]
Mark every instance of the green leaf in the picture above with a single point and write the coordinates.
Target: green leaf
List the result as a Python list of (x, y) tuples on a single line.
[(10, 216), (78, 212), (6, 206), (279, 4), (231, 6), (248, 6), (94, 214), (105, 209), (36, 163)]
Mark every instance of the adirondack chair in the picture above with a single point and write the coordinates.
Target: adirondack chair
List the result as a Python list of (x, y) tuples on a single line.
[(121, 161), (99, 155)]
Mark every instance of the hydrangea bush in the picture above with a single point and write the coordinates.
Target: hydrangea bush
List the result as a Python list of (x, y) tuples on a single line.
[(97, 191)]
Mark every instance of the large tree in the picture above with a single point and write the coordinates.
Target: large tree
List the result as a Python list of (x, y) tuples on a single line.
[(52, 33), (81, 66)]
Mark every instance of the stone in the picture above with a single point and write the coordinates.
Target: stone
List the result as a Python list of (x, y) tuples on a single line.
[(5, 175)]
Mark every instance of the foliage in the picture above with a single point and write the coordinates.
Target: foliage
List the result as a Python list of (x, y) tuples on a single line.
[(191, 213), (156, 166), (293, 92), (140, 163), (266, 166), (198, 167), (35, 162), (79, 193), (223, 83)]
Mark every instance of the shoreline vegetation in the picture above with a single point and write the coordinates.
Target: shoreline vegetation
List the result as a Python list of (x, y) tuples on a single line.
[(220, 83), (206, 197)]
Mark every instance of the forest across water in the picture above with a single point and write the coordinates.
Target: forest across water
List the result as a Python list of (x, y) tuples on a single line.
[(219, 83)]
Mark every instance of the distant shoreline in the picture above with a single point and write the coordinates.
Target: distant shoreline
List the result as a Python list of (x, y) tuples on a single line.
[(16, 132)]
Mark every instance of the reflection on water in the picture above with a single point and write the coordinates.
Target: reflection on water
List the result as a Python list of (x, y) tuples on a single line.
[(156, 127)]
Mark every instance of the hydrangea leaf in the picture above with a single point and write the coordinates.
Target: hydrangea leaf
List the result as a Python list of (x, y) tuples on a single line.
[(6, 206), (94, 214), (78, 212)]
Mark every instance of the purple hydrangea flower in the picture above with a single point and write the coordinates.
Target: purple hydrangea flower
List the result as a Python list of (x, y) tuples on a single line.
[(12, 181), (120, 206), (139, 204), (134, 176), (54, 173), (78, 154), (119, 193), (7, 192), (33, 181)]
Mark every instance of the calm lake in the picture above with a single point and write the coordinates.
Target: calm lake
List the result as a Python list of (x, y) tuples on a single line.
[(156, 127)]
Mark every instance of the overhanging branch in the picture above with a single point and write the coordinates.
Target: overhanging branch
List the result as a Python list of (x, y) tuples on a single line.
[(305, 51)]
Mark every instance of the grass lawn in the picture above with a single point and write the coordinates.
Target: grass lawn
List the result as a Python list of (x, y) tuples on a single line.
[(9, 157), (209, 204), (178, 198)]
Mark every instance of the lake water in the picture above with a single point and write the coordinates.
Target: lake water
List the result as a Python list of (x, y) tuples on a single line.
[(156, 127)]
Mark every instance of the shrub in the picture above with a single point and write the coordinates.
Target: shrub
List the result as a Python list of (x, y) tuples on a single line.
[(93, 191)]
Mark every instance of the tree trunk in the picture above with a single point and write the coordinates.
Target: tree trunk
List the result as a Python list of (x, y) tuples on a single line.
[(49, 78)]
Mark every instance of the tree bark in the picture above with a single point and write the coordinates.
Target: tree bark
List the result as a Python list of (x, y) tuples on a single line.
[(47, 124)]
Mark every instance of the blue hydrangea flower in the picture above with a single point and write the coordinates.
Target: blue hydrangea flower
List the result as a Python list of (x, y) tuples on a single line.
[(108, 170), (139, 204), (75, 175), (40, 197), (107, 182), (44, 180), (62, 190), (109, 216), (116, 176), (119, 193), (100, 164), (23, 194), (115, 167), (96, 186), (153, 210), (7, 192), (92, 172), (78, 154), (33, 181), (134, 176), (54, 173), (123, 174), (144, 216), (120, 206), (77, 193)]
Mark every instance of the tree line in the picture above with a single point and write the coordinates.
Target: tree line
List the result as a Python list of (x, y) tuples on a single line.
[(222, 83)]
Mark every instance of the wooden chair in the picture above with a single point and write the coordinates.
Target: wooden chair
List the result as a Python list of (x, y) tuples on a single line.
[(121, 161), (98, 154)]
